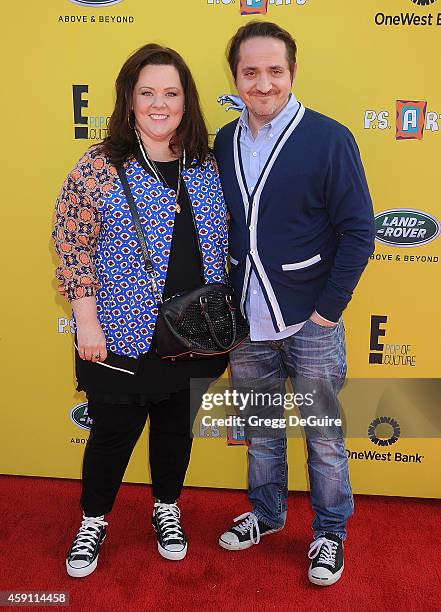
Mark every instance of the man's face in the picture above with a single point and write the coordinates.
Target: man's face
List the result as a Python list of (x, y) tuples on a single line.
[(263, 79)]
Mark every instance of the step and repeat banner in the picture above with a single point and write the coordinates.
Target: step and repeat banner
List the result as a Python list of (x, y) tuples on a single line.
[(372, 66)]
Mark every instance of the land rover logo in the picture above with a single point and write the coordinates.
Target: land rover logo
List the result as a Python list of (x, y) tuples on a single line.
[(95, 3), (80, 416), (405, 227)]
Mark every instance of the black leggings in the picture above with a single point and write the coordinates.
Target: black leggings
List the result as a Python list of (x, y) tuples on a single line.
[(115, 431)]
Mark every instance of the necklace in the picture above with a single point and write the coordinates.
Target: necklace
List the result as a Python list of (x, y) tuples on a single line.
[(157, 174)]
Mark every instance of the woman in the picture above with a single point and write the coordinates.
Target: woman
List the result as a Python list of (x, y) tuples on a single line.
[(157, 132)]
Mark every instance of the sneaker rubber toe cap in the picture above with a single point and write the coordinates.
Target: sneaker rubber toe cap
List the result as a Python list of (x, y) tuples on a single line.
[(323, 576), (78, 563), (173, 552), (229, 540), (80, 568), (175, 548)]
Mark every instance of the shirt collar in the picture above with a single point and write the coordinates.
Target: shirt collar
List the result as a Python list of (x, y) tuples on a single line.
[(279, 121)]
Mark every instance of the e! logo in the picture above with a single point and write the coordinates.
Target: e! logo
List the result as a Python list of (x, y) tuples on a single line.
[(80, 120), (376, 354)]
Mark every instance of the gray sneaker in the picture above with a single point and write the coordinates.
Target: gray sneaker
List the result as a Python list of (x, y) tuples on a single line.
[(246, 533)]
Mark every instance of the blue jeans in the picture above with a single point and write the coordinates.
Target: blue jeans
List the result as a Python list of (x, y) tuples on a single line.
[(315, 360)]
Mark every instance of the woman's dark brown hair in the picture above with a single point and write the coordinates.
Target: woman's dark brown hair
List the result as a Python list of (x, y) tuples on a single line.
[(265, 29), (191, 133)]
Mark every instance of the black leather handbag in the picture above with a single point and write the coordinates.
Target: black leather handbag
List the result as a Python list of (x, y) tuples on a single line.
[(204, 322)]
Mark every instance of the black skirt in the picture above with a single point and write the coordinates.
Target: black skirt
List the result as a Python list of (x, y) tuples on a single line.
[(156, 378)]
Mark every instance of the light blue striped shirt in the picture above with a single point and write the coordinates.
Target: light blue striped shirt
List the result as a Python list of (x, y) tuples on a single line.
[(255, 153)]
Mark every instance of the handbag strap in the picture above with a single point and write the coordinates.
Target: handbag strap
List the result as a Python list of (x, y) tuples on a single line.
[(148, 266), (231, 312)]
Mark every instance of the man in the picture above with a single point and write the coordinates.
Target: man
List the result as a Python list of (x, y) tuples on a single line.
[(301, 234)]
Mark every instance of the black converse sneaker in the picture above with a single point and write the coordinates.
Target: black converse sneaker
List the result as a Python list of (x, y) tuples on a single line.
[(246, 533), (172, 543), (82, 557), (327, 563)]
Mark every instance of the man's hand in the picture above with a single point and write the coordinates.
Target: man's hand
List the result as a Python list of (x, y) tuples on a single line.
[(316, 318)]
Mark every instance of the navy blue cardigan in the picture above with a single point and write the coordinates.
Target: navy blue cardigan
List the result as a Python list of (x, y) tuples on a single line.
[(307, 230)]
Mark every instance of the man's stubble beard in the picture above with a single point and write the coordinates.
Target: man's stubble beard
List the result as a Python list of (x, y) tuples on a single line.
[(269, 116), (266, 116)]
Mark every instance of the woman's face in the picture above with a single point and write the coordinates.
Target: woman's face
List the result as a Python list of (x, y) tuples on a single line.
[(158, 102)]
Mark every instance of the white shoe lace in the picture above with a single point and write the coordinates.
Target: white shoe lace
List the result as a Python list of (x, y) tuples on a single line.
[(87, 536), (168, 516), (249, 523), (326, 548)]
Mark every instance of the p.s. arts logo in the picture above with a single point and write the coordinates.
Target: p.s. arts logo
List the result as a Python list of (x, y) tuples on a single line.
[(87, 127), (253, 7), (423, 2), (412, 120), (80, 416), (384, 431), (96, 3), (236, 435), (405, 227), (260, 7), (257, 7), (65, 326), (207, 431)]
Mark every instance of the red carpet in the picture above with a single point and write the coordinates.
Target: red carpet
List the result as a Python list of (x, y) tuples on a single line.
[(392, 554)]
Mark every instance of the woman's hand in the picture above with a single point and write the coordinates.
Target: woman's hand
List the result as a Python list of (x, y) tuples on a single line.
[(91, 341), (90, 336)]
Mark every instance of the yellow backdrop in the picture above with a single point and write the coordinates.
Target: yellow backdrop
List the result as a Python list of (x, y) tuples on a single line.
[(372, 66)]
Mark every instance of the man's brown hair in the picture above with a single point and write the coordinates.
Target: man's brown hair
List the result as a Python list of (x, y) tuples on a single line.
[(261, 28)]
